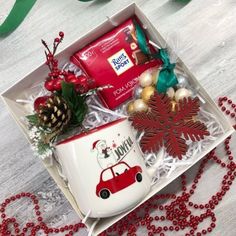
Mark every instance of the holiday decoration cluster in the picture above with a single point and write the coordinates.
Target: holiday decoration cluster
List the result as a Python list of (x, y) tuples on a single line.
[(64, 107), (164, 117), (180, 213), (130, 79)]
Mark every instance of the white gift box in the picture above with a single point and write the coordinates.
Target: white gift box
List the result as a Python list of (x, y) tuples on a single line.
[(21, 88)]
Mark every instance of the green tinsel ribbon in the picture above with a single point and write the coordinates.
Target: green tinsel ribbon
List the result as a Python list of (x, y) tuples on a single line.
[(166, 77), (16, 16)]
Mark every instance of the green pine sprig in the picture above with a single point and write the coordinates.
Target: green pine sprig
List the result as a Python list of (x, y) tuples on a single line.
[(33, 119)]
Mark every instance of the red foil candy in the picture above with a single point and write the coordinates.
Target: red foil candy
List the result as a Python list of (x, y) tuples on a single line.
[(115, 59)]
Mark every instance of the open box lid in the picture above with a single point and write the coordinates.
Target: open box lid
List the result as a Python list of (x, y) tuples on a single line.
[(19, 91)]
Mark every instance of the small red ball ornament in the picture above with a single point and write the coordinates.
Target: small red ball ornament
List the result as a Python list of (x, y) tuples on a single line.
[(71, 78), (57, 84), (49, 85), (40, 101), (82, 79)]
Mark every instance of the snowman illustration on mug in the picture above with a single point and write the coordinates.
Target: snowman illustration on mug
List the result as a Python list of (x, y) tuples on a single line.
[(105, 155)]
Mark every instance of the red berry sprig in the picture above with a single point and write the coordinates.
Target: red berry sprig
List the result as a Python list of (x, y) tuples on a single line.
[(55, 77), (51, 61), (53, 82)]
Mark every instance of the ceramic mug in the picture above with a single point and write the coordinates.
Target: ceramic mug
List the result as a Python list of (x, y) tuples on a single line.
[(104, 169)]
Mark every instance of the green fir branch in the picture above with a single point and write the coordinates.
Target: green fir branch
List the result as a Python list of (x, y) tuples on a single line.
[(33, 119)]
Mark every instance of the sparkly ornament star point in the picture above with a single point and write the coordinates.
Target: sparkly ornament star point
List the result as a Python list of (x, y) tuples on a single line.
[(164, 127)]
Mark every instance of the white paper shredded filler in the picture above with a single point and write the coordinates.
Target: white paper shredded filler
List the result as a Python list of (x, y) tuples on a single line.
[(160, 164)]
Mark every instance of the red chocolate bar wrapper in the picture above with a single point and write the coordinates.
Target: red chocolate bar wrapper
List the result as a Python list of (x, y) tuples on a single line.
[(115, 59)]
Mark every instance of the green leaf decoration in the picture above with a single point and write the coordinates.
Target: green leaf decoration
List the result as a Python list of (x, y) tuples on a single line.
[(32, 119), (68, 93), (76, 103), (80, 109), (42, 147)]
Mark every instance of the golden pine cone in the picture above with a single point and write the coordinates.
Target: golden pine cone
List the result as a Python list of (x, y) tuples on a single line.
[(54, 114)]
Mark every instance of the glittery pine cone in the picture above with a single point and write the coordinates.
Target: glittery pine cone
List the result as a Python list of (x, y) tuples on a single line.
[(54, 114)]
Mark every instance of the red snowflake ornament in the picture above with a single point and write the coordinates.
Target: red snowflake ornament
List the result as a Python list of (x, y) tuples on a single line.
[(164, 127)]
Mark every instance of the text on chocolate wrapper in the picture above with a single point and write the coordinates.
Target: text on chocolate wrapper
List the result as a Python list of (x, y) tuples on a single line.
[(122, 150), (120, 62), (129, 85)]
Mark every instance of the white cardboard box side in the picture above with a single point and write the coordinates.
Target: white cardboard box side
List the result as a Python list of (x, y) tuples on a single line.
[(18, 91)]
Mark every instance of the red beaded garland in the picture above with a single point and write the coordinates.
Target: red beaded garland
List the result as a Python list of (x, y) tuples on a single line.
[(178, 211), (231, 111), (31, 227)]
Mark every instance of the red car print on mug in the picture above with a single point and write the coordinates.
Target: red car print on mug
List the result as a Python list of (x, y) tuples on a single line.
[(119, 180), (104, 169)]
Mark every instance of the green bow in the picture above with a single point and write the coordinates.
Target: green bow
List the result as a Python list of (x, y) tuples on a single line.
[(166, 77)]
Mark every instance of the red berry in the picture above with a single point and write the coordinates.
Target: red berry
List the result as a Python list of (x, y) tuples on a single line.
[(57, 40), (40, 101), (49, 85), (65, 73), (50, 56), (71, 78), (85, 81), (92, 83), (82, 88), (82, 79), (61, 34), (57, 84)]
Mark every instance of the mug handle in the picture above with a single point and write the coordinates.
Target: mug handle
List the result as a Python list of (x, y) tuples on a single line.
[(60, 170)]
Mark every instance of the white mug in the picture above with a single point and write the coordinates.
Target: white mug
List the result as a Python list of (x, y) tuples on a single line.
[(105, 169)]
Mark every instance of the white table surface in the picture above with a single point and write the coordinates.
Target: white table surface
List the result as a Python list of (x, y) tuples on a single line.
[(206, 32)]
